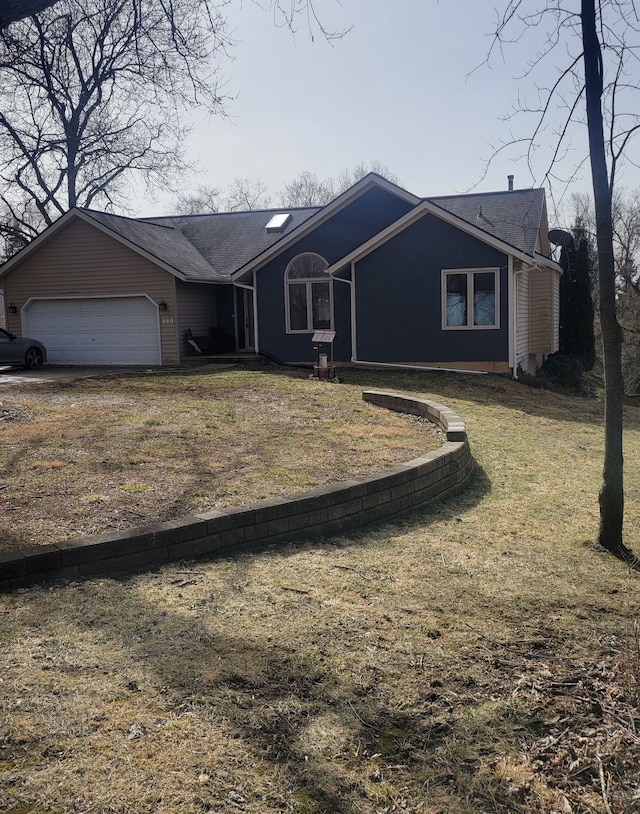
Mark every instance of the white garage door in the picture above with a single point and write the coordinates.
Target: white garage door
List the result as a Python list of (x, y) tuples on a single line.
[(96, 331)]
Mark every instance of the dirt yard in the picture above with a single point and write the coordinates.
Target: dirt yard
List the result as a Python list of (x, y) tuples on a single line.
[(89, 456)]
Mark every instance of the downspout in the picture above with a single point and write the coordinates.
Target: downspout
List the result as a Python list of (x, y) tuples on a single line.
[(512, 289), (392, 365), (353, 310), (256, 338), (513, 332)]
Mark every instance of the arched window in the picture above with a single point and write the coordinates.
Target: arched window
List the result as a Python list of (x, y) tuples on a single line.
[(308, 294)]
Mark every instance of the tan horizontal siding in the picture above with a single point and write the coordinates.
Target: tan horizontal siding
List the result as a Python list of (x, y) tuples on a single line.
[(522, 319), (196, 311), (541, 311), (82, 261), (556, 311)]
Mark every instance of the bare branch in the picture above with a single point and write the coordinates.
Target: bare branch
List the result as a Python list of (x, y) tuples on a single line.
[(287, 13), (606, 33), (91, 93)]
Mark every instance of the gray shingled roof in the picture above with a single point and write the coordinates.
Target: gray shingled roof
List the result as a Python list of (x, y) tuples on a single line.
[(165, 243), (228, 240), (209, 248), (512, 216)]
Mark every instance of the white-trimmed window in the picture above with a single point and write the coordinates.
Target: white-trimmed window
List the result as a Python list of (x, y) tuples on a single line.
[(470, 298), (308, 294)]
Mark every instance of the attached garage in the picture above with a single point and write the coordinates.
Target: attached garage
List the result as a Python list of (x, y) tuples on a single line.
[(96, 330)]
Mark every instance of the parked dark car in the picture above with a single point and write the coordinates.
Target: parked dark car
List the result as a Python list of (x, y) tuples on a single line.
[(20, 351)]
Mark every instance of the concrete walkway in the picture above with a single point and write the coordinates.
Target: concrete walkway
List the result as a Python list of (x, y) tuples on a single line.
[(10, 376), (55, 373)]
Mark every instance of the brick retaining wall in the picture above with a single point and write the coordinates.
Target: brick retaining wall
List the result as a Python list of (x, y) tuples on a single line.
[(321, 512)]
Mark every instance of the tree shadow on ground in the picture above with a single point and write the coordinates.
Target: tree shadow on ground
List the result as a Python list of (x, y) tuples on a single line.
[(332, 737), (274, 698)]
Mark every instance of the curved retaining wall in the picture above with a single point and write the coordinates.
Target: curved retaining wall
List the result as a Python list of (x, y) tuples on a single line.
[(320, 512)]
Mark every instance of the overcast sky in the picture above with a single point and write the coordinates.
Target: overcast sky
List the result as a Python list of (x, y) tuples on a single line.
[(398, 88)]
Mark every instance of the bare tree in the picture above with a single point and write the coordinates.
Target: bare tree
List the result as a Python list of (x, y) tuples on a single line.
[(285, 12), (246, 194), (203, 201), (291, 13), (611, 493), (90, 98), (348, 178), (626, 229), (629, 315), (600, 42), (308, 190), (626, 233), (626, 242), (96, 89)]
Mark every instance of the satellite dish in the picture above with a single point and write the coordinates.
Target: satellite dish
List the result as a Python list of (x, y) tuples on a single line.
[(560, 238)]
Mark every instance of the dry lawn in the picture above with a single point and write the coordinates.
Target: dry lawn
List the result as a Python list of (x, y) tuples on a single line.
[(110, 453), (478, 657)]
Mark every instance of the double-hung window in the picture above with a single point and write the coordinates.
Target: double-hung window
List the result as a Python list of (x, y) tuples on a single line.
[(308, 294), (470, 298)]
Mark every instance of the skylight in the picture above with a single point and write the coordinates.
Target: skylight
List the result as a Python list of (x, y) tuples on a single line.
[(278, 222)]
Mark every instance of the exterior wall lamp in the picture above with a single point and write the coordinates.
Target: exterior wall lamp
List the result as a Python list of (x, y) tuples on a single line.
[(13, 309), (162, 305)]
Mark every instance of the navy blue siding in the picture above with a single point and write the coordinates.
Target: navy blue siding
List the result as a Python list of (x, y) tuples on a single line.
[(345, 231), (398, 298), (342, 318)]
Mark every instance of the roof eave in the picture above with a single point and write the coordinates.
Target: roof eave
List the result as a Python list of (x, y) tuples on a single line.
[(315, 220), (541, 260), (218, 281), (426, 207), (157, 261), (52, 231)]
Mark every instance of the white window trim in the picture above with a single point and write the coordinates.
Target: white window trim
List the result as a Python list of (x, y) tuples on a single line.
[(469, 272), (307, 282)]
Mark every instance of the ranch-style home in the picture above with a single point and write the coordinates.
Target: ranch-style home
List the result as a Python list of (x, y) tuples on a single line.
[(462, 281)]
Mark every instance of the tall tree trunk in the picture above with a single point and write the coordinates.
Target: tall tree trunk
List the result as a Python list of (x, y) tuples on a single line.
[(611, 494)]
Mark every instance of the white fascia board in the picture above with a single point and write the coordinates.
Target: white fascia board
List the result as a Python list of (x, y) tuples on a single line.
[(368, 182), (419, 211), (541, 260)]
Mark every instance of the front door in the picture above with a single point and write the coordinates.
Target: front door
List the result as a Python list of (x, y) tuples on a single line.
[(245, 339)]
